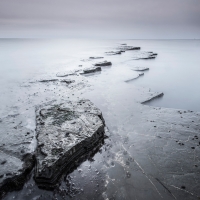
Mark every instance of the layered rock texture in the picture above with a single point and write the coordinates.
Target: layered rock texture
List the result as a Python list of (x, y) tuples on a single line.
[(66, 132)]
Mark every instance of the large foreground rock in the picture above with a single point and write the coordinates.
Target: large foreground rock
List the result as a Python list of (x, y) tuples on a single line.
[(66, 132)]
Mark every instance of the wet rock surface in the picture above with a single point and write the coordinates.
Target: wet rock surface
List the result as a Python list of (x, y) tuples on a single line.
[(65, 134)]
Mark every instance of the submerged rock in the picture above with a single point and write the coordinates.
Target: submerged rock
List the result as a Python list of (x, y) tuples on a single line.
[(66, 132), (104, 63), (129, 80), (141, 68), (156, 95)]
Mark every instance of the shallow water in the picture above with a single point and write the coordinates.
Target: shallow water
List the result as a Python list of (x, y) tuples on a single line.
[(175, 72)]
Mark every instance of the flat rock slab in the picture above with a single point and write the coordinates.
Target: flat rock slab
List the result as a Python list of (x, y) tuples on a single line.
[(132, 79), (104, 63), (91, 70), (65, 133)]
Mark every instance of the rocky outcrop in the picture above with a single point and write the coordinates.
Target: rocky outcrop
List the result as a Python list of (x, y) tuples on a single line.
[(66, 132)]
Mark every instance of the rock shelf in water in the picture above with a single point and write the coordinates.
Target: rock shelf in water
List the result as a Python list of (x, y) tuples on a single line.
[(104, 63), (66, 132), (91, 70)]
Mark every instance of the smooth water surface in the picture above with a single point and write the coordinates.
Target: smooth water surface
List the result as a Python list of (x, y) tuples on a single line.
[(175, 71)]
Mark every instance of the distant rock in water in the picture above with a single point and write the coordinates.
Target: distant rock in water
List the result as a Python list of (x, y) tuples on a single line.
[(48, 80), (140, 74), (95, 57), (114, 52), (128, 48), (91, 70), (66, 132), (145, 55), (104, 63)]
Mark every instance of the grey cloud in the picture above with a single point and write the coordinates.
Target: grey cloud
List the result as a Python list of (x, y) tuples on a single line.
[(127, 18)]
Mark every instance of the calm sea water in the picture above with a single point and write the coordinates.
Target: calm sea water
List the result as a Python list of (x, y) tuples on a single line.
[(175, 71)]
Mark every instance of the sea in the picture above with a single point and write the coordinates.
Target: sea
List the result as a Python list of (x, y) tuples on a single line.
[(175, 71)]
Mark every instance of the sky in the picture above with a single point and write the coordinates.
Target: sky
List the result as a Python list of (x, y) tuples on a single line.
[(109, 19)]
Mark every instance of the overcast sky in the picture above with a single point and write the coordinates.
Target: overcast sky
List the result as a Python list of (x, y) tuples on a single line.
[(123, 19)]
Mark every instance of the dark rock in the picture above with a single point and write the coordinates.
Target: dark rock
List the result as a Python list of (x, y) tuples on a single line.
[(67, 81), (3, 162), (50, 80), (74, 129), (104, 63), (91, 70), (15, 177)]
